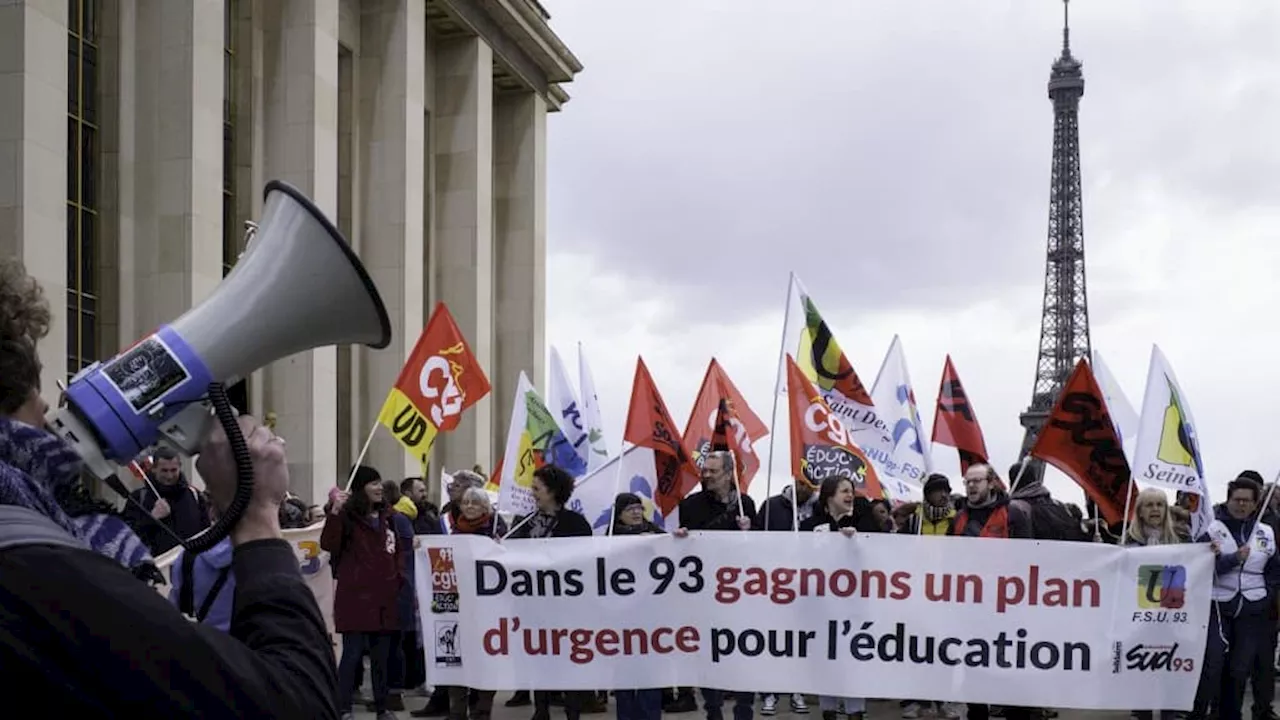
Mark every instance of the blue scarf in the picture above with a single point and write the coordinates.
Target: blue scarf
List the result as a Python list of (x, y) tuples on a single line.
[(41, 472)]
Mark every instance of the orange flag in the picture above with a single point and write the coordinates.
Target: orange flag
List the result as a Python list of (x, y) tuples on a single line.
[(820, 443), (440, 380), (954, 422), (1080, 439), (722, 420), (649, 425)]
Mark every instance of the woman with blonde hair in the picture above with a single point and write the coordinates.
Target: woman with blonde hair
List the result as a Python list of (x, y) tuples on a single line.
[(1152, 522)]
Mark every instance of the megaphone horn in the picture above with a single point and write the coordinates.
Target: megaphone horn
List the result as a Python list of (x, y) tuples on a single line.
[(298, 286)]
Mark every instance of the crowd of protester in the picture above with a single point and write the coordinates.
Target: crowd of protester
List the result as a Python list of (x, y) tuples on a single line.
[(370, 534)]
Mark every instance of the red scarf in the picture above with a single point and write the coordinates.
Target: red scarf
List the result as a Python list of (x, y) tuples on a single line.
[(471, 527)]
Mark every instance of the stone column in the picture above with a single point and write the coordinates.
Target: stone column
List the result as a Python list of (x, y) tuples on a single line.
[(33, 159), (463, 145), (300, 76), (391, 131), (177, 158), (520, 247)]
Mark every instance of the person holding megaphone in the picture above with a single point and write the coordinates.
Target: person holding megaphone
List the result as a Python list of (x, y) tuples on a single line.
[(81, 632)]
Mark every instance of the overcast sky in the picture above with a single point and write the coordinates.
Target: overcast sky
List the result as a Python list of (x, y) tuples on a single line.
[(896, 156)]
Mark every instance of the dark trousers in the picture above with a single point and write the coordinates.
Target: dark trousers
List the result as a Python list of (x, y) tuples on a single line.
[(1238, 639), (1263, 674), (395, 663), (459, 703), (639, 704), (354, 646), (415, 662), (572, 703), (713, 703), (983, 712)]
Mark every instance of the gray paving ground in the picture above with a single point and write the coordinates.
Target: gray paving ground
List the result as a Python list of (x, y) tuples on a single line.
[(877, 710)]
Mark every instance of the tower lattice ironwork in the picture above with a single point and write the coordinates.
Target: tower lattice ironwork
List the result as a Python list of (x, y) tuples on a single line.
[(1064, 325)]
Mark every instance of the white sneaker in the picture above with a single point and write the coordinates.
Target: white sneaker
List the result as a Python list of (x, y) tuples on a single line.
[(770, 705), (949, 711), (911, 711), (798, 705)]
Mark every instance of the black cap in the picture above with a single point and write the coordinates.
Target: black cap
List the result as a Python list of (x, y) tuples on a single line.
[(1253, 475), (937, 481)]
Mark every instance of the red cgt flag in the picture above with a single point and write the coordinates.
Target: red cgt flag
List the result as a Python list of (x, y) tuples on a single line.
[(954, 422), (440, 380), (1080, 439), (649, 425), (722, 420), (821, 446)]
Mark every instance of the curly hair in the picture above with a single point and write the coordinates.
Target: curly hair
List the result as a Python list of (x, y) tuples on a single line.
[(24, 321)]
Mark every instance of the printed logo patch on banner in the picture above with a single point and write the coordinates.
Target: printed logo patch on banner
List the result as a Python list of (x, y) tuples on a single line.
[(447, 651), (1162, 586), (444, 580)]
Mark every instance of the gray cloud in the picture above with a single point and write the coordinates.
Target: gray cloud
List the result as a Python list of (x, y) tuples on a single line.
[(895, 153)]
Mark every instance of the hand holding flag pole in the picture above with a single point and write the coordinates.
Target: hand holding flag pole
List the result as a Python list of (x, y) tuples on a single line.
[(733, 478)]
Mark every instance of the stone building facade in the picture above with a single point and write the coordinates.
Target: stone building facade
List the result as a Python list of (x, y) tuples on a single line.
[(143, 131)]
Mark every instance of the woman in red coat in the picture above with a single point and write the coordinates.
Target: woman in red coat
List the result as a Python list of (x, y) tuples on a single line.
[(366, 552)]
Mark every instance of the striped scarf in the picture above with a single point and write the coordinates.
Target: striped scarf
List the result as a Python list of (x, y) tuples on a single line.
[(41, 472)]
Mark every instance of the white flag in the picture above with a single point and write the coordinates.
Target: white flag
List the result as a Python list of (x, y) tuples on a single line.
[(1123, 416), (810, 341), (905, 456), (1167, 453), (534, 438), (564, 403), (594, 494), (591, 417)]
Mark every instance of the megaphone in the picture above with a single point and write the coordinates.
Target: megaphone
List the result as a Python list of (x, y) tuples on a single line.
[(297, 286)]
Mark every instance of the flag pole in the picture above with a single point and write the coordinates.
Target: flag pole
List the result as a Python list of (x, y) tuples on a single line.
[(1022, 469), (576, 484), (360, 458), (1266, 501), (1128, 499), (773, 421), (617, 485), (733, 464)]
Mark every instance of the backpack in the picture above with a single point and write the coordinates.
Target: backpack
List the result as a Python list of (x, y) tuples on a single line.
[(1051, 520), (186, 593)]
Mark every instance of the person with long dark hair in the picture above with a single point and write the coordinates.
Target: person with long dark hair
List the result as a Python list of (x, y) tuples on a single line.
[(367, 553), (552, 489), (841, 510)]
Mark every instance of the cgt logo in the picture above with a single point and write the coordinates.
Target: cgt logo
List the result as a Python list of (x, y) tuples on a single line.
[(1162, 586), (444, 580), (444, 577)]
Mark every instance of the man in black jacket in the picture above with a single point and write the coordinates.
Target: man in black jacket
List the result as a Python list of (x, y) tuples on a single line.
[(81, 633), (180, 511), (719, 506), (85, 637)]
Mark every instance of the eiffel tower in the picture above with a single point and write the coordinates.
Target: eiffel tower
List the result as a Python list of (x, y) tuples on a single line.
[(1064, 324)]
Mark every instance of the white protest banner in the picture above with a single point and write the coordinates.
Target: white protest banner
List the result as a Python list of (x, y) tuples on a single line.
[(1008, 622)]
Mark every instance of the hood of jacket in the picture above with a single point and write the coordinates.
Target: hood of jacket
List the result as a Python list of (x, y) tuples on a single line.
[(219, 556), (406, 507), (1030, 490)]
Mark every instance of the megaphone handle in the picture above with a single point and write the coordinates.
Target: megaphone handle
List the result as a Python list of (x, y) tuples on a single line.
[(227, 520)]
